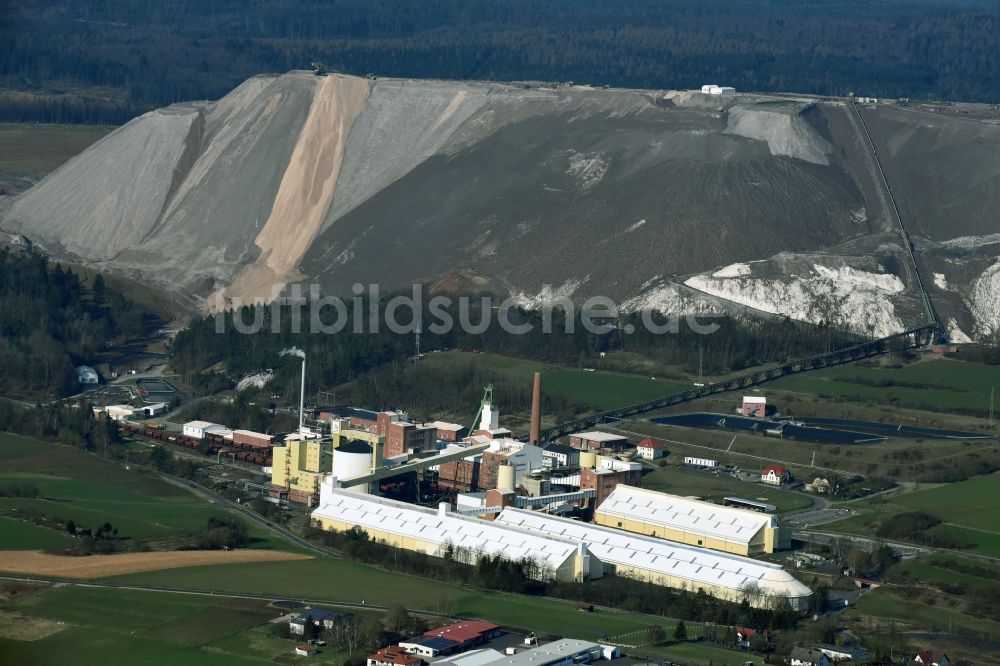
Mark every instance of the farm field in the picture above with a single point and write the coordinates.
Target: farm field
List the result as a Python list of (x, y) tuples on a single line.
[(716, 486), (935, 569), (939, 384), (599, 389), (969, 511), (90, 491), (100, 566), (881, 603), (115, 626), (343, 581), (17, 535), (708, 654), (750, 451)]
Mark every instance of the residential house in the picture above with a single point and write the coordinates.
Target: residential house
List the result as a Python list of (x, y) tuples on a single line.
[(775, 475), (650, 449), (928, 658), (819, 485), (319, 618), (744, 635), (807, 657), (840, 652), (394, 656)]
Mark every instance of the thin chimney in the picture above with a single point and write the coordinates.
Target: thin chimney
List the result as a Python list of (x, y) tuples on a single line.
[(536, 410)]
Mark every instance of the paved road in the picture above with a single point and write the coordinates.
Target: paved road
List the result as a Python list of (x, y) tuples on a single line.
[(905, 549), (214, 498), (205, 593), (811, 517)]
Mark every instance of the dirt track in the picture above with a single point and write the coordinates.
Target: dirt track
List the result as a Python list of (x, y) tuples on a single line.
[(101, 566)]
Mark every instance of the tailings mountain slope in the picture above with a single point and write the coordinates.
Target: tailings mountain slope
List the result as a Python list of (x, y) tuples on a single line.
[(675, 200)]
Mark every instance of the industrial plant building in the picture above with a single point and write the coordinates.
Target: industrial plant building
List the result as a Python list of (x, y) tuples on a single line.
[(565, 550), (596, 440), (440, 532), (691, 522), (202, 429), (669, 563), (297, 469)]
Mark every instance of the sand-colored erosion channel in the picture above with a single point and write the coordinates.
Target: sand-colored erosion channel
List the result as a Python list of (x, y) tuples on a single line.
[(307, 188), (37, 563)]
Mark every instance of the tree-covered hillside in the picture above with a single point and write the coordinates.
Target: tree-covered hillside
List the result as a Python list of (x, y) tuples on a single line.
[(82, 61), (51, 323)]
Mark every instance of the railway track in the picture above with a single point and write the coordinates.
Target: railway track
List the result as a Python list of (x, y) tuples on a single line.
[(929, 311), (912, 338)]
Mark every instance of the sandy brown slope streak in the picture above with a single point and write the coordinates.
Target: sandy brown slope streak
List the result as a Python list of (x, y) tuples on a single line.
[(307, 188)]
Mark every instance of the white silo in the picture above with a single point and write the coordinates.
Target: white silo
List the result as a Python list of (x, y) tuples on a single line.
[(351, 460), (505, 477)]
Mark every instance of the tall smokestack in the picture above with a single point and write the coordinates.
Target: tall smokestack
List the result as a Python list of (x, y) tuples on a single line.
[(302, 395), (536, 410)]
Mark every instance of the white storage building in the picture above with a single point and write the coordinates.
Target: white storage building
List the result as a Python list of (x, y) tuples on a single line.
[(669, 563), (121, 413), (199, 429), (435, 532), (690, 521), (700, 462), (712, 89)]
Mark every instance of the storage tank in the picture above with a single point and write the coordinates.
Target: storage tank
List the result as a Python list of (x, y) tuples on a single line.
[(352, 459), (505, 477), (588, 459)]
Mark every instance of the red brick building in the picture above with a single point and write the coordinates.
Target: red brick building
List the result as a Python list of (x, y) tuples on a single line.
[(460, 475), (596, 440), (401, 436), (604, 480), (449, 432)]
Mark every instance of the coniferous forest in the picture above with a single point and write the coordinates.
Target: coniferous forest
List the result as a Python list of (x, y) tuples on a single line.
[(104, 62), (51, 322)]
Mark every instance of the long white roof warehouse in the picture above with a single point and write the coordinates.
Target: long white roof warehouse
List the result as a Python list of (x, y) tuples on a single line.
[(670, 564), (432, 532), (688, 521)]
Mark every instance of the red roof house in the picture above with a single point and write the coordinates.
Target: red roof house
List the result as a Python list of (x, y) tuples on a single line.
[(775, 475), (394, 656)]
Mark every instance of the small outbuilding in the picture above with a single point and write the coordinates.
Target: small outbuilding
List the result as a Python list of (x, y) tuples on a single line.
[(87, 376), (306, 650), (754, 405)]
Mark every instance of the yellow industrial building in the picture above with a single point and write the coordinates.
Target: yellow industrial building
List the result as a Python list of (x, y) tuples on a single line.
[(670, 564), (692, 522), (299, 466), (297, 469)]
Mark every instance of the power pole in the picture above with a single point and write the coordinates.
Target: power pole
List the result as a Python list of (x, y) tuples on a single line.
[(992, 390), (417, 334), (701, 363)]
